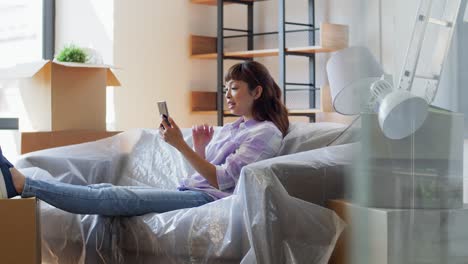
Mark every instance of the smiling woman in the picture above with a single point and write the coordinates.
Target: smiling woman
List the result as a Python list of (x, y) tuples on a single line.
[(217, 159), (240, 99), (251, 83)]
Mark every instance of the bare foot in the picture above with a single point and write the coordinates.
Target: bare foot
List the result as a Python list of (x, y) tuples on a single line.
[(18, 180)]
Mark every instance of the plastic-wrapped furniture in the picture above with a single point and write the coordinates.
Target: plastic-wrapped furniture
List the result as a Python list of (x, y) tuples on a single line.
[(273, 216)]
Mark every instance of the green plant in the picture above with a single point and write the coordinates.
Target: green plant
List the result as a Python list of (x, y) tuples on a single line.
[(72, 53)]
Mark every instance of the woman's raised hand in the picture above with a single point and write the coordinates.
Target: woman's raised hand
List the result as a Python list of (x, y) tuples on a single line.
[(202, 135), (172, 133)]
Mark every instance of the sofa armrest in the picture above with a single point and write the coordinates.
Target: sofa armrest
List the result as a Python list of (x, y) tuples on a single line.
[(314, 176), (84, 163), (117, 159), (316, 185)]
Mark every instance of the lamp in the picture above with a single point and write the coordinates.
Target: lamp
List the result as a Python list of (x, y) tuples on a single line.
[(357, 84), (351, 72), (400, 112), (395, 169)]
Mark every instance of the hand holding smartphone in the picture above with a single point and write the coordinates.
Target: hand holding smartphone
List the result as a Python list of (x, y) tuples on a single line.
[(162, 106)]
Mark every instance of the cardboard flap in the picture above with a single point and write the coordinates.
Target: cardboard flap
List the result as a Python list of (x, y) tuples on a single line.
[(83, 65), (24, 70), (112, 79), (28, 70)]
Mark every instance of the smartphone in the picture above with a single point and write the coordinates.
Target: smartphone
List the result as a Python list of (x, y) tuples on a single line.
[(162, 106)]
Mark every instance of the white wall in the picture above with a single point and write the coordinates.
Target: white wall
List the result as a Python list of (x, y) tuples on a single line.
[(152, 45), (85, 23), (396, 33), (88, 23), (266, 19), (384, 26), (150, 42)]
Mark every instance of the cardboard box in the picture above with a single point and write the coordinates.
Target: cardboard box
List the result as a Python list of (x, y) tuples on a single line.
[(33, 141), (20, 237), (340, 254), (395, 236), (422, 171), (63, 96)]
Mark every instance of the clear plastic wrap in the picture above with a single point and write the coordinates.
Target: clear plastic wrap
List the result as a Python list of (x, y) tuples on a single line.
[(270, 218)]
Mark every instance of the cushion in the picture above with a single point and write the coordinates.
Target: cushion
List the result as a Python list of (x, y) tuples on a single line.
[(309, 136)]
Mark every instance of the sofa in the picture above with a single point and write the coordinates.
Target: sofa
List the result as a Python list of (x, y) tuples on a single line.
[(276, 214)]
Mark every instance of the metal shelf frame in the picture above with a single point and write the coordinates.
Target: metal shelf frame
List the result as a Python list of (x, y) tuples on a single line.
[(249, 34)]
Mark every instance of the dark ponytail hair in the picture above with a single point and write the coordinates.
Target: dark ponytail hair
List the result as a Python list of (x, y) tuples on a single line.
[(269, 105)]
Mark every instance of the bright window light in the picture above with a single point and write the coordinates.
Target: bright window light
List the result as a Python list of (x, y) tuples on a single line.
[(20, 31), (20, 42)]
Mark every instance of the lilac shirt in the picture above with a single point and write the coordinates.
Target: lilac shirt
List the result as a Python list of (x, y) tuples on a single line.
[(236, 145)]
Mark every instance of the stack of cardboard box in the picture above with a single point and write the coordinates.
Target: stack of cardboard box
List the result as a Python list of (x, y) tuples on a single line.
[(406, 196), (65, 103), (65, 100)]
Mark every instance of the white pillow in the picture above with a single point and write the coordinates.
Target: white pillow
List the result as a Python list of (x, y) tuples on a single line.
[(308, 136)]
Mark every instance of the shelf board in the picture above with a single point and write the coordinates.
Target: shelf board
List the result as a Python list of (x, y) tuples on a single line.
[(204, 112), (203, 101), (215, 2), (312, 49), (265, 52), (226, 112), (304, 112)]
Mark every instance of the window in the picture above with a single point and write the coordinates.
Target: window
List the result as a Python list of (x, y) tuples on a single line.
[(22, 40), (20, 31)]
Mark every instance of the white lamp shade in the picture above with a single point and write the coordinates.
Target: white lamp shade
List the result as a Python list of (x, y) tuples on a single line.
[(401, 114), (351, 72)]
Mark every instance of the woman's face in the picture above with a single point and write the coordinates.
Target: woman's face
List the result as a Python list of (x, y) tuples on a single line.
[(239, 98)]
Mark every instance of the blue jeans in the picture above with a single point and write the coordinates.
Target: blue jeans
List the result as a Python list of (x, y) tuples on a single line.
[(109, 200)]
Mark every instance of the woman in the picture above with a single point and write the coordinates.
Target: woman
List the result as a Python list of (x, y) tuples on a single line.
[(251, 93)]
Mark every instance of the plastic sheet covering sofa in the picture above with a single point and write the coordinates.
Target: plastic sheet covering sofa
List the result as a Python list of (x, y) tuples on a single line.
[(274, 215)]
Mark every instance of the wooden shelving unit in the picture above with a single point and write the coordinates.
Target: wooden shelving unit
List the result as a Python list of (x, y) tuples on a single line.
[(205, 103), (264, 53), (333, 37)]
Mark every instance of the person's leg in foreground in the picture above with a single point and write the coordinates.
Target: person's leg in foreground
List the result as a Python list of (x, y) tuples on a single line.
[(103, 199)]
